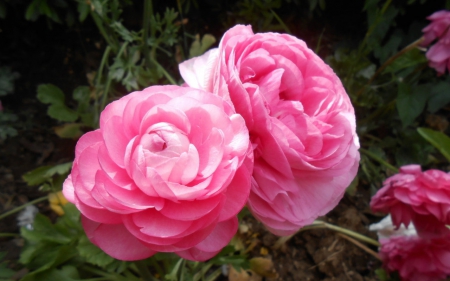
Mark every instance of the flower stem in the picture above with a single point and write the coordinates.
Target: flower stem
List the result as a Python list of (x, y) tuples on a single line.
[(15, 210), (391, 60), (347, 232), (362, 246), (378, 159), (322, 224)]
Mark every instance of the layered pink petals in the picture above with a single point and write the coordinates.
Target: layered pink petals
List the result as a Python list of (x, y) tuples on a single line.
[(167, 171), (438, 30), (415, 196), (301, 122), (415, 258)]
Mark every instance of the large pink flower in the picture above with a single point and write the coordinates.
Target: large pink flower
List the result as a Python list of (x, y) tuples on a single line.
[(438, 55), (420, 197), (301, 122), (416, 258), (167, 171)]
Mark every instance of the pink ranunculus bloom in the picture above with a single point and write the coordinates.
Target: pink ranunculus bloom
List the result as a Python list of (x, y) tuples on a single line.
[(438, 55), (167, 171), (440, 22), (301, 122), (415, 196), (416, 258)]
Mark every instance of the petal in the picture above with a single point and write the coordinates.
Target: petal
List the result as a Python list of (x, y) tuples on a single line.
[(116, 241)]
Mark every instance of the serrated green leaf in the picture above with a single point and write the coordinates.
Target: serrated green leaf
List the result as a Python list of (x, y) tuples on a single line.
[(62, 113), (66, 273), (439, 140), (92, 253), (44, 173), (37, 176), (49, 260), (50, 94), (44, 231)]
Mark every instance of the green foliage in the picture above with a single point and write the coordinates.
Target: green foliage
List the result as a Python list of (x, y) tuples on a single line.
[(53, 10), (49, 178), (7, 78), (439, 140)]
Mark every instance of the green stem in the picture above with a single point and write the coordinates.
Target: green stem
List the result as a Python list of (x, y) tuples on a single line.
[(148, 13), (165, 73), (103, 32), (348, 232), (281, 22), (18, 209), (143, 270), (378, 159), (98, 81), (408, 48)]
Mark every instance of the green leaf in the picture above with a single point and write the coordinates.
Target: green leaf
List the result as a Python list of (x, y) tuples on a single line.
[(37, 176), (92, 253), (199, 47), (62, 113), (409, 59), (83, 10), (440, 96), (2, 10), (7, 78), (50, 94), (44, 173), (411, 101), (69, 130), (66, 273), (44, 230), (50, 259), (437, 139)]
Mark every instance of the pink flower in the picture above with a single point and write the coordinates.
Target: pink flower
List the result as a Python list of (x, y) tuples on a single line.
[(440, 22), (415, 258), (167, 171), (420, 197), (438, 55), (301, 122)]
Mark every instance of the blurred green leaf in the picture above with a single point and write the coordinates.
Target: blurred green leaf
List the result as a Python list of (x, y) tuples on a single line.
[(440, 96), (44, 173), (411, 101), (92, 253), (69, 130), (439, 140), (50, 94), (83, 10), (62, 113), (7, 78), (199, 47)]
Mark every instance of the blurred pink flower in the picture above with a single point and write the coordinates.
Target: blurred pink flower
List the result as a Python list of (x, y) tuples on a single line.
[(416, 258), (167, 171), (438, 55), (440, 22), (415, 196), (301, 122)]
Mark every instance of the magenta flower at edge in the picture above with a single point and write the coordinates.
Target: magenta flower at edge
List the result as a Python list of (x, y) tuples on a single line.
[(416, 258), (167, 171), (438, 55), (415, 196), (300, 119)]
